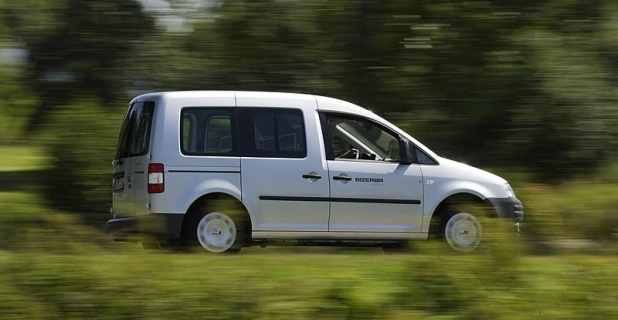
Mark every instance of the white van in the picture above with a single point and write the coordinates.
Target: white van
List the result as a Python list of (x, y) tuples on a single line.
[(226, 169)]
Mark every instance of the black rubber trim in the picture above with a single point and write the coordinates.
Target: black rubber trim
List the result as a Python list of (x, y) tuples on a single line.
[(350, 200), (508, 208), (391, 201), (309, 199)]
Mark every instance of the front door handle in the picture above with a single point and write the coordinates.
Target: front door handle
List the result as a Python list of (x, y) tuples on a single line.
[(342, 178)]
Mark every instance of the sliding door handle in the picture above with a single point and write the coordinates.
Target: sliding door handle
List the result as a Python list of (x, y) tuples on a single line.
[(312, 176)]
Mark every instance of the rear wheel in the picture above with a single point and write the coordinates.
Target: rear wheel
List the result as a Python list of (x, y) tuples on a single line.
[(217, 232), (217, 227)]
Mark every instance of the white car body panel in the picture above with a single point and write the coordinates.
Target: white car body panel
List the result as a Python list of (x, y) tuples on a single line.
[(392, 181), (283, 197)]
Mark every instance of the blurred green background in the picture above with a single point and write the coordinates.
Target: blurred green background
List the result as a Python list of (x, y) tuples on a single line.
[(526, 89)]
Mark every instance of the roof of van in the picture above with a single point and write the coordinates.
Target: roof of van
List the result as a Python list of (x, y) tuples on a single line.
[(323, 103)]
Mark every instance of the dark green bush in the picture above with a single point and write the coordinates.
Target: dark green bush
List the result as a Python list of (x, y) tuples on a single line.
[(81, 141), (574, 216)]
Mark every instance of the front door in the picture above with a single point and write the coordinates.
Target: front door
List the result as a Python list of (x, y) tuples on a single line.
[(371, 190)]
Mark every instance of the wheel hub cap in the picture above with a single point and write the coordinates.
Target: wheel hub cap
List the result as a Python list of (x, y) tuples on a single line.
[(463, 232), (216, 232)]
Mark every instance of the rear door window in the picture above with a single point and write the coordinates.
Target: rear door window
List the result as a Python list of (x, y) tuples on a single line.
[(134, 139), (208, 131)]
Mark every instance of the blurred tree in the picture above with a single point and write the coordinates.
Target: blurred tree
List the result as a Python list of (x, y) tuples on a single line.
[(77, 47), (483, 82), (79, 61), (524, 83), (80, 145)]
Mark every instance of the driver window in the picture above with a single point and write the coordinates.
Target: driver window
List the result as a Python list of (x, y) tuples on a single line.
[(357, 138)]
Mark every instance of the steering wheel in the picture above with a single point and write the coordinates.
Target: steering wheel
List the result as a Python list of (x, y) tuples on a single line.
[(351, 153)]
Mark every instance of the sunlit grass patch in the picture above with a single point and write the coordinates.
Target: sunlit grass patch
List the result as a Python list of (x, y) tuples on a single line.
[(21, 158), (27, 225)]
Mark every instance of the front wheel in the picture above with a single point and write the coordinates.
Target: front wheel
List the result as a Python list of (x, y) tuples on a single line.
[(463, 232)]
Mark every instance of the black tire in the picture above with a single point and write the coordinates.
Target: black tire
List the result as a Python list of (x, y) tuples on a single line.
[(216, 227), (461, 227), (463, 231)]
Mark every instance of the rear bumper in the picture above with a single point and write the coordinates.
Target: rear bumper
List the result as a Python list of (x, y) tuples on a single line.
[(161, 225), (510, 208)]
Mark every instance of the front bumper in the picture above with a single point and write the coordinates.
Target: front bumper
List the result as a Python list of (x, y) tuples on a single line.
[(134, 228), (510, 208)]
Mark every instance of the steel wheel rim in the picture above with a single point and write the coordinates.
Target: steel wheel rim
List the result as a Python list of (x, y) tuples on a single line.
[(216, 232), (463, 232)]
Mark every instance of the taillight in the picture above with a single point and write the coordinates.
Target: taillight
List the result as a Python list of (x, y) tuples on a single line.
[(155, 178)]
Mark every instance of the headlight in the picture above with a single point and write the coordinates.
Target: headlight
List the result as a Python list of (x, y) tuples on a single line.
[(509, 191)]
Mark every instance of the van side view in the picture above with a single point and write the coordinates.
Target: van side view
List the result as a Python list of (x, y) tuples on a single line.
[(220, 170)]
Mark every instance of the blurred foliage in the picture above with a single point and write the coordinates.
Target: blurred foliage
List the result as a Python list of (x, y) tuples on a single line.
[(526, 85), (81, 141), (74, 48), (579, 211), (54, 266), (28, 226), (305, 286), (16, 107), (19, 159)]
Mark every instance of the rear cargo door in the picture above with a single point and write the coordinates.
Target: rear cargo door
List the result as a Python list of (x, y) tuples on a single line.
[(130, 193)]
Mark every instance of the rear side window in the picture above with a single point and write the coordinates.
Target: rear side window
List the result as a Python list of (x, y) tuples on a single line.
[(273, 132), (208, 131), (134, 139)]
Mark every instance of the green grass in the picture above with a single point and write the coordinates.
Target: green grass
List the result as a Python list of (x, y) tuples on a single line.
[(53, 266), (263, 285)]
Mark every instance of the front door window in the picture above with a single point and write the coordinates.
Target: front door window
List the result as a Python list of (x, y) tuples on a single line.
[(356, 138)]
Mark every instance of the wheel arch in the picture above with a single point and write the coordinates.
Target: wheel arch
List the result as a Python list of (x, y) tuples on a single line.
[(207, 198), (442, 208)]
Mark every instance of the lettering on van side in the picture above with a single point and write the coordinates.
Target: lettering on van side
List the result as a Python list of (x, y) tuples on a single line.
[(371, 180)]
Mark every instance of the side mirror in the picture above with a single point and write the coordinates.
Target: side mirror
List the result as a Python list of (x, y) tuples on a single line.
[(405, 153)]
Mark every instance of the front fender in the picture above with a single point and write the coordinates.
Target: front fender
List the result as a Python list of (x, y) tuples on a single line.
[(438, 191)]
